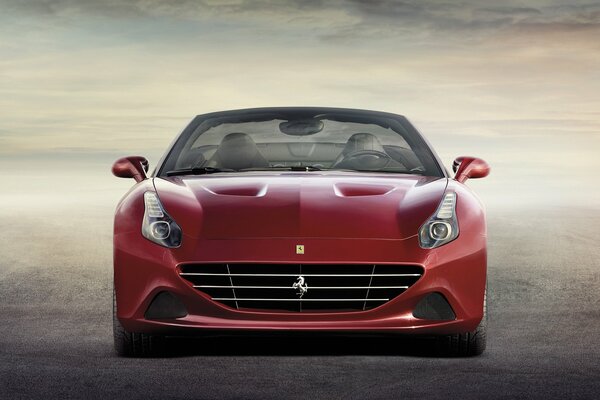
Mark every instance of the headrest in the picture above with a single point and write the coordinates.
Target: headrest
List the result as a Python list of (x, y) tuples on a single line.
[(238, 151), (361, 142)]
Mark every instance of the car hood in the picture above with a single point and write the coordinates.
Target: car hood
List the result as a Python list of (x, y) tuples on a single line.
[(311, 204)]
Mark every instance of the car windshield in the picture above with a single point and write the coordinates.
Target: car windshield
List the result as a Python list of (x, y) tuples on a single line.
[(300, 140)]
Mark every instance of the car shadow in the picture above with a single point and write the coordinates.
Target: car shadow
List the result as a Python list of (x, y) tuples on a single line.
[(299, 346)]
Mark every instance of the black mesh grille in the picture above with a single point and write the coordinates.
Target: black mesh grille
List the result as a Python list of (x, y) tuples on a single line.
[(328, 287)]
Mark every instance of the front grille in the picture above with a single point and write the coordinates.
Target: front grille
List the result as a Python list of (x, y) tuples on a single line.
[(325, 287)]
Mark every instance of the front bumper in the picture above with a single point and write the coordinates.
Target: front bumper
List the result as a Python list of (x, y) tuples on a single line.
[(143, 270)]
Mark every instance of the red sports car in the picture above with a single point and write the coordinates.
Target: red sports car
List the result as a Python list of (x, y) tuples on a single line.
[(300, 219)]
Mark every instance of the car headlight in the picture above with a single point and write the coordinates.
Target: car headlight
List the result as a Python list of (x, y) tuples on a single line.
[(158, 226), (442, 227)]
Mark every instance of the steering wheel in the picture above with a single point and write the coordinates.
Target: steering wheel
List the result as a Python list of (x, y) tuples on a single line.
[(365, 159)]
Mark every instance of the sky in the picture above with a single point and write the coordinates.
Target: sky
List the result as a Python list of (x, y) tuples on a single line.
[(514, 82)]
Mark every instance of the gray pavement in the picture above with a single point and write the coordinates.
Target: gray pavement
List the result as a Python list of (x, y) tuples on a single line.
[(55, 330)]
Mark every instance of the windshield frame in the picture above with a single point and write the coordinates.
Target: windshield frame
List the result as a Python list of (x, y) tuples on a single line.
[(415, 139)]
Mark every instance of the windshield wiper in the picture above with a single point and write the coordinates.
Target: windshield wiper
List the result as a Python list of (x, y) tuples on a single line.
[(387, 171), (305, 168), (198, 171), (282, 168)]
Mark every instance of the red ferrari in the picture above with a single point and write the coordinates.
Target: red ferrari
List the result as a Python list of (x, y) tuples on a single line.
[(300, 219)]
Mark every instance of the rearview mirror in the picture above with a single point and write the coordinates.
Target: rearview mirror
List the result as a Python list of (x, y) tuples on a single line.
[(131, 167), (469, 167), (301, 127)]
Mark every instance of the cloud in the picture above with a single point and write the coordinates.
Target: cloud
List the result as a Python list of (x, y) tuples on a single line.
[(396, 25), (387, 15), (85, 73)]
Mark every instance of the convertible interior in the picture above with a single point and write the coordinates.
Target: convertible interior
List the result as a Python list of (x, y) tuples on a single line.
[(362, 151)]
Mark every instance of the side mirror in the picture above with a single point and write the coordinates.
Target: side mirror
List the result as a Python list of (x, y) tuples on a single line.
[(131, 167), (469, 167)]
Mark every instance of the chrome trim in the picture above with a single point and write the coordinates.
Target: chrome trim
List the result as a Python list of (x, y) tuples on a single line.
[(343, 288), (338, 275), (369, 288), (231, 284), (287, 287), (261, 299)]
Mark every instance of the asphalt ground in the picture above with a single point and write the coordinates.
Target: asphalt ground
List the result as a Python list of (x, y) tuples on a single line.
[(56, 339)]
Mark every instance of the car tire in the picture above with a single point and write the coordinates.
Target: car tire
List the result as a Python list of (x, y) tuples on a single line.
[(465, 344), (130, 344)]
